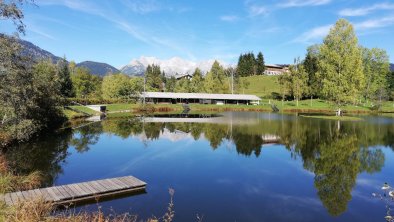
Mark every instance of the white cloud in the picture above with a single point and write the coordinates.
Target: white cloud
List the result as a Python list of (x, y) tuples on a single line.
[(313, 34), (138, 32), (142, 6), (320, 32), (375, 23), (256, 10), (301, 3), (365, 10), (229, 18)]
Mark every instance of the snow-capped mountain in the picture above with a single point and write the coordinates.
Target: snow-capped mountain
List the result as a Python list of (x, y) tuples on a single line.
[(171, 66)]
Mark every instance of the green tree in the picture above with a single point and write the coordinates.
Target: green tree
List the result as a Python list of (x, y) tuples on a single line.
[(311, 68), (10, 10), (298, 79), (154, 81), (376, 69), (260, 64), (246, 65), (216, 80), (170, 84), (183, 85), (30, 98), (117, 86), (390, 83), (197, 82), (66, 86), (284, 81), (340, 65), (85, 84)]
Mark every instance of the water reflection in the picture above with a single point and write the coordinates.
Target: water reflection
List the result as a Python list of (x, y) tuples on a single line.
[(334, 152)]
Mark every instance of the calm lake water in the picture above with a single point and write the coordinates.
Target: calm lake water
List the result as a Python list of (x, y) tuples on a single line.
[(236, 167)]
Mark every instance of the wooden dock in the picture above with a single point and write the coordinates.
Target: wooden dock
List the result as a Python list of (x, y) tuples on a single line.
[(78, 192)]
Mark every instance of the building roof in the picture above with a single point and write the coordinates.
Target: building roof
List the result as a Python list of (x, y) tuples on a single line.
[(169, 95)]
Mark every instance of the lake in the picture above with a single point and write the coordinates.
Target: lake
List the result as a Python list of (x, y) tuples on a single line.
[(237, 166)]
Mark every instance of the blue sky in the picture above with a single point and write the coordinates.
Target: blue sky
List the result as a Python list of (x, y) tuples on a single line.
[(116, 31)]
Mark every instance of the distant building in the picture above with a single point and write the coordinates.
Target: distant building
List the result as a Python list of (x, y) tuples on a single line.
[(200, 98), (273, 70), (183, 76)]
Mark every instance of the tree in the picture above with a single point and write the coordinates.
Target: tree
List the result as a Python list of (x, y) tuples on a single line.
[(215, 80), (260, 64), (154, 81), (29, 97), (390, 83), (298, 79), (11, 11), (246, 65), (340, 65), (85, 84), (116, 87), (197, 82), (170, 84), (311, 68), (285, 85), (66, 87), (376, 69), (183, 85)]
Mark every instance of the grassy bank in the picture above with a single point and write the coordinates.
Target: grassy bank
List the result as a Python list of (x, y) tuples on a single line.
[(304, 106), (341, 118)]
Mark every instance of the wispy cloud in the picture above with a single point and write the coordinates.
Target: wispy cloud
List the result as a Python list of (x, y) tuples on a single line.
[(366, 10), (131, 28), (367, 25), (41, 33), (256, 10), (142, 6), (375, 23), (302, 3), (229, 18), (313, 34)]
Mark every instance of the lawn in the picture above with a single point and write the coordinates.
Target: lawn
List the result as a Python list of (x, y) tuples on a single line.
[(262, 86)]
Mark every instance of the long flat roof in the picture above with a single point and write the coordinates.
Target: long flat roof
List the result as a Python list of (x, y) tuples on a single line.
[(170, 95)]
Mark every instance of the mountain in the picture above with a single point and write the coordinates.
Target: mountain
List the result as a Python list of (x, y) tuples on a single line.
[(392, 67), (35, 52), (171, 66), (98, 68)]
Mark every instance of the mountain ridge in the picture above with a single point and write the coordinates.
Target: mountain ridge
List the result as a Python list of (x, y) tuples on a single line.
[(171, 67)]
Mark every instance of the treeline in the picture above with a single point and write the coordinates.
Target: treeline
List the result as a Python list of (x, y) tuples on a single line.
[(341, 71), (217, 80), (249, 65)]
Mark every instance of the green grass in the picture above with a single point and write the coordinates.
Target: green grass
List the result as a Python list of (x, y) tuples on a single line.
[(85, 109), (70, 114), (262, 86), (341, 118)]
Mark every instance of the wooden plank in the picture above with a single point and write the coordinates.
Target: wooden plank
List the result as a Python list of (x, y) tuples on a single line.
[(20, 196), (112, 184), (59, 193), (133, 181), (78, 191), (46, 195), (8, 200), (117, 180), (88, 187), (63, 191), (109, 185), (85, 189), (119, 183), (98, 186), (71, 193)]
